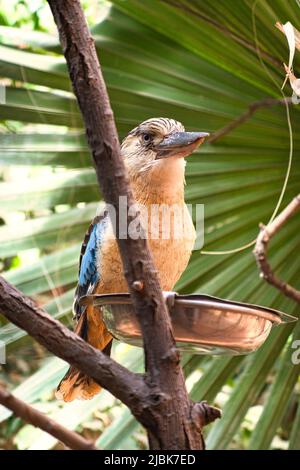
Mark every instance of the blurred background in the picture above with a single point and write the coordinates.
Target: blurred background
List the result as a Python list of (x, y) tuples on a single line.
[(202, 63)]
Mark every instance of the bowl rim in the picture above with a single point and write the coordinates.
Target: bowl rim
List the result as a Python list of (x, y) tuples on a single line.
[(192, 300)]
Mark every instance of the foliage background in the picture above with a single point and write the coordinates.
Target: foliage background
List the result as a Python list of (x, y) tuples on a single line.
[(195, 61)]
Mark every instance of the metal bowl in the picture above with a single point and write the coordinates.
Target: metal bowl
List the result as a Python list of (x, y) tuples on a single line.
[(202, 324)]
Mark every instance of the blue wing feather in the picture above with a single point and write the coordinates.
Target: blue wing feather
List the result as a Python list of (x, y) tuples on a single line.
[(88, 270)]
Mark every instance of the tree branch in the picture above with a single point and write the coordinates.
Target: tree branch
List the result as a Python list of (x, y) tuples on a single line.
[(123, 384), (261, 247), (36, 418), (252, 108), (169, 420), (160, 400), (130, 388)]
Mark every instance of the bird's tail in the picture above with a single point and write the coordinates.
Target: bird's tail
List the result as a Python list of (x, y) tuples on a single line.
[(76, 384)]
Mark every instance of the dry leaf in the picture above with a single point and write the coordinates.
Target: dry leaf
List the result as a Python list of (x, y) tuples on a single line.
[(289, 32), (293, 38), (296, 34), (294, 81)]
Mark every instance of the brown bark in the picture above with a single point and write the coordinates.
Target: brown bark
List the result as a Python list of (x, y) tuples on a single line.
[(252, 108), (261, 249), (159, 400), (130, 388), (20, 310), (169, 420)]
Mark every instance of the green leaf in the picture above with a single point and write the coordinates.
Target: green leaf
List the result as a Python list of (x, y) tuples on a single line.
[(198, 64), (281, 389), (295, 434)]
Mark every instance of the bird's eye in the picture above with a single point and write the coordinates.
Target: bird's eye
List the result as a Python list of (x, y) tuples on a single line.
[(146, 137)]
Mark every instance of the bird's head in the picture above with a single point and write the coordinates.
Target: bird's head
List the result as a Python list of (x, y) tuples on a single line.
[(154, 150)]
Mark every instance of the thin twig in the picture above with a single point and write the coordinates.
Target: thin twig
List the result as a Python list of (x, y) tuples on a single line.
[(253, 107), (261, 247), (36, 418)]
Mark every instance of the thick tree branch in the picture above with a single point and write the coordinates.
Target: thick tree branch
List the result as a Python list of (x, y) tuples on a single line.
[(169, 423), (130, 388), (123, 384), (252, 108), (36, 418), (261, 247)]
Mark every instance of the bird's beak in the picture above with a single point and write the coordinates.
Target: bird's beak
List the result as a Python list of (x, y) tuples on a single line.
[(180, 144)]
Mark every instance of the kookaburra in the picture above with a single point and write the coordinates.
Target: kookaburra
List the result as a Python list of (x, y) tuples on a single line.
[(154, 154)]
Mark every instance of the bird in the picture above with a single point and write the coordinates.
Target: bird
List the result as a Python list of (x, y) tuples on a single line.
[(154, 155)]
